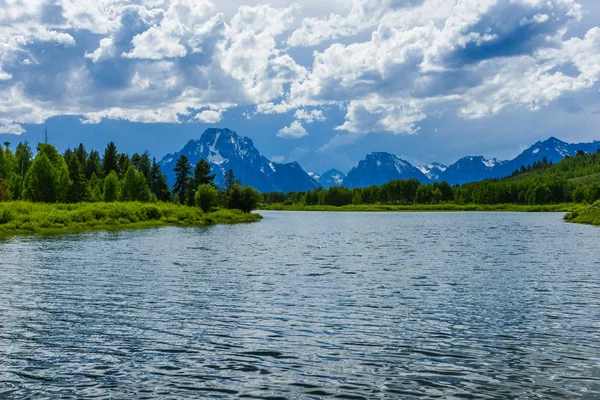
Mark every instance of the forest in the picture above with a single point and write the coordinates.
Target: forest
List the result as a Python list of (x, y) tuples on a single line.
[(77, 176), (573, 180)]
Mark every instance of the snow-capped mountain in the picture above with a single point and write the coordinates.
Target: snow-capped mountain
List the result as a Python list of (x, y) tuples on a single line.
[(553, 150), (379, 168), (225, 150), (433, 170), (473, 169), (333, 177)]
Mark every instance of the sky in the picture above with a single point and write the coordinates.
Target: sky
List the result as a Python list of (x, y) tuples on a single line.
[(321, 83)]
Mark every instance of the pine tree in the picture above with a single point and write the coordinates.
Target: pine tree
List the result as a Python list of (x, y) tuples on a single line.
[(94, 165), (123, 162), (109, 162), (202, 175), (158, 183), (111, 187), (39, 181), (182, 174), (229, 181), (79, 189), (133, 186)]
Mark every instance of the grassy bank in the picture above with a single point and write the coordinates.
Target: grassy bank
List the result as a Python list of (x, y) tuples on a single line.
[(19, 217), (422, 207), (585, 214)]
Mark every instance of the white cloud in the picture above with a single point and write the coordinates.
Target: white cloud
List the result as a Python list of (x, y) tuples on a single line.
[(209, 116), (309, 117), (294, 131), (278, 159), (388, 63)]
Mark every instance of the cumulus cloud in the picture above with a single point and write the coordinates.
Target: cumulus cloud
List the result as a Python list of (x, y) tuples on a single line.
[(294, 131), (389, 64), (309, 116)]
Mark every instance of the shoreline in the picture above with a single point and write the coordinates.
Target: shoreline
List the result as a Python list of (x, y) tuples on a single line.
[(19, 218), (565, 207)]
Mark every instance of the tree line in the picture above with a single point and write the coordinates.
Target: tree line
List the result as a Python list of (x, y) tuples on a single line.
[(78, 176), (574, 179)]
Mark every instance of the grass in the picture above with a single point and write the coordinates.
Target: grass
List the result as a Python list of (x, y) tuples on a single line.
[(422, 207), (585, 214), (20, 217)]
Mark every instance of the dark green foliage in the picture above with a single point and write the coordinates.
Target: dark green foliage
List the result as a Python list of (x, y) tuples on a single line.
[(23, 159), (182, 174), (229, 180), (134, 187), (96, 188), (93, 165), (242, 198), (4, 166), (79, 189), (142, 164), (123, 162), (109, 162), (158, 183), (206, 197), (39, 182), (202, 175), (5, 194), (111, 187), (574, 179)]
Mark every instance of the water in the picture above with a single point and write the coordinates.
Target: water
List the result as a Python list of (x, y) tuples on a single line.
[(306, 305)]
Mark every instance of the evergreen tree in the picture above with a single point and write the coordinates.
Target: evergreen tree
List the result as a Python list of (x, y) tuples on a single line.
[(39, 181), (4, 167), (123, 162), (79, 189), (96, 187), (134, 187), (158, 183), (24, 157), (190, 192), (182, 174), (82, 155), (111, 187), (109, 162), (62, 180), (94, 165), (5, 194), (202, 175), (229, 180)]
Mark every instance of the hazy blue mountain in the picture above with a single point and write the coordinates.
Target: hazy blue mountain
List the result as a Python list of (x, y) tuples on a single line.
[(225, 150), (379, 168), (472, 169), (333, 177)]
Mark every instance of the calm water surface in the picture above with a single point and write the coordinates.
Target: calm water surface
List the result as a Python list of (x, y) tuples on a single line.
[(307, 305)]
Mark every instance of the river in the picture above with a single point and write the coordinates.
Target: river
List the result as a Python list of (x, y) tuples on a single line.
[(306, 305)]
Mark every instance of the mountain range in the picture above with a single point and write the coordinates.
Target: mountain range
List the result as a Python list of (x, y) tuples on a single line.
[(224, 149)]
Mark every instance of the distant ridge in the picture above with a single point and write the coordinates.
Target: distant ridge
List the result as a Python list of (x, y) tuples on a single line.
[(224, 149)]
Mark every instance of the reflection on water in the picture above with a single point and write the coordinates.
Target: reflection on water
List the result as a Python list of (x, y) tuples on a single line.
[(307, 305)]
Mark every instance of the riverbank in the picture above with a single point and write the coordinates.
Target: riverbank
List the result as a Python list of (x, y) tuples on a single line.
[(19, 217), (565, 207), (589, 215)]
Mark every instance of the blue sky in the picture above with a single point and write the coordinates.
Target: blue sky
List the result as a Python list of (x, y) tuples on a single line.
[(322, 83)]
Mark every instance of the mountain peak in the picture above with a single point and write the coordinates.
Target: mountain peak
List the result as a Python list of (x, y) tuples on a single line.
[(224, 149), (381, 167)]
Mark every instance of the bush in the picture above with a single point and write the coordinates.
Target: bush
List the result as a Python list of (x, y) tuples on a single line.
[(206, 197)]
